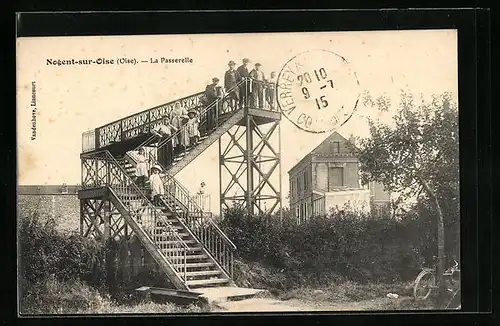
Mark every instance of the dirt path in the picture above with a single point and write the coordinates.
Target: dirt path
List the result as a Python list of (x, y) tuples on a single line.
[(271, 304)]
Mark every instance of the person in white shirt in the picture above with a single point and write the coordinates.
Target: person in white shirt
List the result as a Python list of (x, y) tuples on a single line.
[(193, 125), (258, 79), (141, 169), (156, 183), (271, 89)]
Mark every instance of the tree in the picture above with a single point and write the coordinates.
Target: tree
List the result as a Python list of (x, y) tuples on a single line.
[(416, 155)]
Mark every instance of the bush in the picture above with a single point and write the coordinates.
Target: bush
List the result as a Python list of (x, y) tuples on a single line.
[(346, 245), (49, 257), (44, 251)]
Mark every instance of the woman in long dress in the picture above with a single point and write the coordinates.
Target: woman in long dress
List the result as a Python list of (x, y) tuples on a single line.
[(179, 119), (165, 151)]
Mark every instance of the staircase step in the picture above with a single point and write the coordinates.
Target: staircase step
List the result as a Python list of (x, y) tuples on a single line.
[(204, 273), (175, 249), (207, 281), (160, 229), (195, 265), (189, 257), (176, 242)]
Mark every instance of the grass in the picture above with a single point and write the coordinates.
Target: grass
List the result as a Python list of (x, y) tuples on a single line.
[(347, 291), (75, 297)]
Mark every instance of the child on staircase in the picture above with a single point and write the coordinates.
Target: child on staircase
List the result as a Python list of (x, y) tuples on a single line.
[(141, 170), (156, 183), (193, 125)]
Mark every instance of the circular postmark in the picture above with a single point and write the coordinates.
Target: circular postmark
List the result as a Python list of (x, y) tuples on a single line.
[(317, 90)]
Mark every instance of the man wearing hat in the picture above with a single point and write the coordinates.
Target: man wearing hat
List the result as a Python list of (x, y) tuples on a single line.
[(244, 75), (258, 80), (157, 189), (231, 79), (212, 93)]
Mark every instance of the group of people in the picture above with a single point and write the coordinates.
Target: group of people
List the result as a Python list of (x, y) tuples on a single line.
[(142, 174), (257, 88), (254, 90), (179, 130)]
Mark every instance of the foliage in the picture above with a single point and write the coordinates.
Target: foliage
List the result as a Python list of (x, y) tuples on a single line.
[(68, 272), (422, 141), (345, 245), (45, 251), (418, 156), (52, 296)]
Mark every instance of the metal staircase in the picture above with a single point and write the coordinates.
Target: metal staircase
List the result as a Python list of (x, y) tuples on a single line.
[(190, 214), (161, 230), (183, 239)]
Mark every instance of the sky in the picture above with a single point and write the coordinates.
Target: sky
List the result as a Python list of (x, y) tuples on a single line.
[(71, 99)]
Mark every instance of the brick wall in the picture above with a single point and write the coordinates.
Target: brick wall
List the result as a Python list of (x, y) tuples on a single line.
[(65, 208)]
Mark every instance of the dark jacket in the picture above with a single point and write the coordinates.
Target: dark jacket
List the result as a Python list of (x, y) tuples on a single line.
[(211, 93), (243, 71), (231, 78)]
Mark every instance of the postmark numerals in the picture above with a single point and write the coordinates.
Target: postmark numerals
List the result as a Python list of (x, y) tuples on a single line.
[(322, 102), (311, 90), (306, 77)]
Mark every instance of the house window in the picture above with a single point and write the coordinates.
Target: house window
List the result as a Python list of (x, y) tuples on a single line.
[(306, 185), (335, 177), (335, 147)]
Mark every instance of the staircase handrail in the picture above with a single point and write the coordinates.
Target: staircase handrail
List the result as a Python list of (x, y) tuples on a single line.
[(152, 138), (205, 110), (194, 204), (110, 157), (170, 178)]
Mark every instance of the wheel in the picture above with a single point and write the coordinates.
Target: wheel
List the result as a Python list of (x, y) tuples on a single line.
[(424, 283)]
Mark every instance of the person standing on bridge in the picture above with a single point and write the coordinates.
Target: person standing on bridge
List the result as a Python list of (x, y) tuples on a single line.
[(258, 79), (271, 89), (244, 74), (231, 79), (212, 94)]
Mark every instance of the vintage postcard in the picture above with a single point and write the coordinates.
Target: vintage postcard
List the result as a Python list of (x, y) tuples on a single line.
[(307, 171)]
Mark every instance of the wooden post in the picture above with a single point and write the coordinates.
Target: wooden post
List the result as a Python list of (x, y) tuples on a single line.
[(124, 266), (106, 217), (135, 255)]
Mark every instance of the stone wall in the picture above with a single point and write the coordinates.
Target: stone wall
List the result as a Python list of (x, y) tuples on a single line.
[(64, 208)]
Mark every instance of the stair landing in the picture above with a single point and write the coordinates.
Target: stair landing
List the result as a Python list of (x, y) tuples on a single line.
[(227, 293)]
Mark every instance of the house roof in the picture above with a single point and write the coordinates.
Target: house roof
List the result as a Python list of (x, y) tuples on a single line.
[(334, 135), (47, 189)]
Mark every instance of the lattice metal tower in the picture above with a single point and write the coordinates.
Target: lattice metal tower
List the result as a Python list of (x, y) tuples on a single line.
[(250, 163)]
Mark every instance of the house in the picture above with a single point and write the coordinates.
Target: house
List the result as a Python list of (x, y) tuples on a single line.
[(328, 178)]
